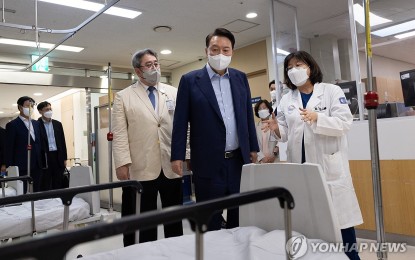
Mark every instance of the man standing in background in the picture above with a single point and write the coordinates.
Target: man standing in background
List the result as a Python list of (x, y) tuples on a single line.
[(216, 100), (2, 149), (17, 133), (142, 126), (54, 148)]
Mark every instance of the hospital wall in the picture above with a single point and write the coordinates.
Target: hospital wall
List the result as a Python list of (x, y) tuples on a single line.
[(397, 164)]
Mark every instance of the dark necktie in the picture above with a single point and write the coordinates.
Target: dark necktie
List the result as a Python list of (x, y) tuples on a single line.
[(151, 96)]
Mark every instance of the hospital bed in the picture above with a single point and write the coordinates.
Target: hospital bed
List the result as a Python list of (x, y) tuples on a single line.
[(198, 213), (14, 186), (260, 235), (55, 208)]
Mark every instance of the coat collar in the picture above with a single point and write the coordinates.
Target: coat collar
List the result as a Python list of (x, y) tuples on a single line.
[(205, 86), (315, 99), (140, 91)]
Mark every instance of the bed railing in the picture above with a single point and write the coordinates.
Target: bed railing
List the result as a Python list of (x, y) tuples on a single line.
[(56, 245), (3, 180), (67, 195)]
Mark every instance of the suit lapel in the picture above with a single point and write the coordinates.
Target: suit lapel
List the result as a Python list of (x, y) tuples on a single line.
[(205, 86), (235, 81), (142, 94), (162, 99)]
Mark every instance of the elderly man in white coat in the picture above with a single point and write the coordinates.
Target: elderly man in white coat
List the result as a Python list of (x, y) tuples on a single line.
[(314, 118), (142, 127)]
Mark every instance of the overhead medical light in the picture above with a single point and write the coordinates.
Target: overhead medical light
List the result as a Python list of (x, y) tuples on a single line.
[(41, 45), (251, 15), (405, 35), (165, 52), (91, 6), (279, 51), (396, 29), (359, 16)]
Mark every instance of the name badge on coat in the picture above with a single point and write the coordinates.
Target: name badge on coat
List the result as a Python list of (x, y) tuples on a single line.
[(170, 104)]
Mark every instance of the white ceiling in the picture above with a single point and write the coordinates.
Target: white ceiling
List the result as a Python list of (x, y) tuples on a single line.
[(113, 39)]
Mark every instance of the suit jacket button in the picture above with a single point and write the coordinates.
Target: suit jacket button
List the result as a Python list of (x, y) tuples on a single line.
[(159, 125)]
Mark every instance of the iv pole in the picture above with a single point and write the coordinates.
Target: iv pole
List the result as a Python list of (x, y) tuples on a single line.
[(29, 150)]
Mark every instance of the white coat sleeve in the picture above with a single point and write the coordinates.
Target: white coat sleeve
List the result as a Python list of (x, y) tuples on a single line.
[(121, 146), (339, 119)]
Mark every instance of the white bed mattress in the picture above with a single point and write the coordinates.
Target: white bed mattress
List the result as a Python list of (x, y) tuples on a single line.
[(15, 221), (9, 192), (243, 243)]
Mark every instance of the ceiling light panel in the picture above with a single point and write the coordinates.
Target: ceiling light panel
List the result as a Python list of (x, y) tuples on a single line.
[(395, 29), (42, 45), (359, 16), (91, 6)]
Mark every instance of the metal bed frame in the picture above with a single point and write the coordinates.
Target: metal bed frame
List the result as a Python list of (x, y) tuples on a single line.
[(67, 195), (56, 245), (3, 180)]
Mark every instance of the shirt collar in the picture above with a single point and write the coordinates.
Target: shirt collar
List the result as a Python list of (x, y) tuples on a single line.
[(24, 119), (146, 87), (212, 73), (46, 122)]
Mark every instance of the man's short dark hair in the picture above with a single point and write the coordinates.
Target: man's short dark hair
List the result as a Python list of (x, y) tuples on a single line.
[(316, 76), (136, 59), (266, 102), (272, 82), (23, 99), (42, 105), (223, 33)]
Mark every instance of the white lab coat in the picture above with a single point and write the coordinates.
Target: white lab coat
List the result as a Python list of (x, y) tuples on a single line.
[(325, 143)]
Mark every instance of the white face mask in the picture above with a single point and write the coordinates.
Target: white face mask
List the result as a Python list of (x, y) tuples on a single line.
[(273, 95), (263, 113), (298, 76), (220, 61), (152, 76), (27, 111), (48, 114)]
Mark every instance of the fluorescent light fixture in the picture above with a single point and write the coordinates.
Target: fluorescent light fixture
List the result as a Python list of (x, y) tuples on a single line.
[(37, 94), (395, 29), (280, 51), (64, 94), (7, 67), (359, 16), (165, 52), (91, 6), (251, 15), (42, 45), (405, 35)]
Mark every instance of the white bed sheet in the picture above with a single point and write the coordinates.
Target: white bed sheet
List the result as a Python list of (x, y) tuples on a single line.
[(15, 221), (243, 243), (9, 192)]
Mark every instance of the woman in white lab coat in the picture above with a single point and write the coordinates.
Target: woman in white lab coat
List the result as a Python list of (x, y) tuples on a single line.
[(268, 149), (314, 118)]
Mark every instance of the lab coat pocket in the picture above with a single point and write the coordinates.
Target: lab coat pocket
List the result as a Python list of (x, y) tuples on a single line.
[(333, 166)]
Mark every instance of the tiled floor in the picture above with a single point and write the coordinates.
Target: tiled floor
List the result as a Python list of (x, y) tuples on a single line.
[(116, 242)]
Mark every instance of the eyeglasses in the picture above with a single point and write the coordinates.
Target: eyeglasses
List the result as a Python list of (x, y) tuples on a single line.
[(150, 65)]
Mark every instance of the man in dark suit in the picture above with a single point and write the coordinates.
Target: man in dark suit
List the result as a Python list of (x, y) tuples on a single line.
[(216, 100), (2, 149), (54, 148), (17, 132)]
